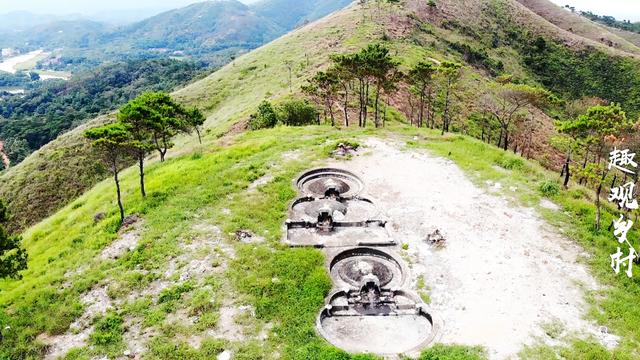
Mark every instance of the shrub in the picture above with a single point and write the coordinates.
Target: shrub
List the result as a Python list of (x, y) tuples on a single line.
[(108, 331), (174, 293), (549, 188), (265, 117), (431, 3), (509, 162), (297, 112)]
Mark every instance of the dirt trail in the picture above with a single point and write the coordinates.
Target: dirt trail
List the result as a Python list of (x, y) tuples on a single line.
[(503, 273)]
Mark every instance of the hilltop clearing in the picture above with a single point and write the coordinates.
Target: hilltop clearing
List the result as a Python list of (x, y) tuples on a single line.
[(502, 277), (180, 283)]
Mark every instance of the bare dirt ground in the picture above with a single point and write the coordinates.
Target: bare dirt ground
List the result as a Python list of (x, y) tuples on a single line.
[(503, 276)]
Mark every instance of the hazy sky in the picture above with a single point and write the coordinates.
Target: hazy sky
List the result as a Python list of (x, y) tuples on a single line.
[(59, 7), (621, 9)]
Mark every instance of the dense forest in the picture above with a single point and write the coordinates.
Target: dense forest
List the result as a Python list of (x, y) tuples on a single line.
[(19, 79), (54, 106)]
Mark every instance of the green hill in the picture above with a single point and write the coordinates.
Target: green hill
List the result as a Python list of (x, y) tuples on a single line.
[(201, 27), (202, 196), (211, 31), (289, 14)]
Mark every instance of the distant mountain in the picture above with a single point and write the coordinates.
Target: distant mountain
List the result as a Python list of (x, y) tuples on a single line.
[(21, 20), (200, 27), (211, 31), (78, 33), (291, 13)]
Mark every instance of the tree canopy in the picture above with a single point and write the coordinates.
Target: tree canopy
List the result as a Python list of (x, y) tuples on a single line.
[(13, 258)]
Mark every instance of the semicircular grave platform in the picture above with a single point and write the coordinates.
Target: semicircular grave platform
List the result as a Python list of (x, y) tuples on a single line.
[(370, 310), (326, 182), (351, 267), (401, 324)]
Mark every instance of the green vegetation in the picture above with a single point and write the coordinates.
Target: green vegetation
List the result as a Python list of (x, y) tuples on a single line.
[(19, 79), (291, 112), (53, 107), (420, 78), (296, 112), (373, 67), (66, 169), (453, 352), (600, 130), (265, 117), (611, 21), (549, 188), (221, 175), (13, 258), (575, 74), (214, 32), (148, 122), (107, 335), (112, 141)]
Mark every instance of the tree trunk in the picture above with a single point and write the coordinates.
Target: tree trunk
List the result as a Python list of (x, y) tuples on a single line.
[(376, 118), (445, 116), (598, 191), (506, 140), (421, 113), (361, 100), (365, 110), (429, 108), (199, 136), (584, 164), (141, 167), (613, 182), (346, 106), (598, 206), (333, 118), (567, 175), (411, 110), (115, 177), (384, 115)]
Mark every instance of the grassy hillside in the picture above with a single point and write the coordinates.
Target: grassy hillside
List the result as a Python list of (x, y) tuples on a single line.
[(202, 195), (503, 30), (581, 26), (197, 201), (225, 97)]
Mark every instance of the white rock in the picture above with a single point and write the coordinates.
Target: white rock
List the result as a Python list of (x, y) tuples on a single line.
[(225, 355)]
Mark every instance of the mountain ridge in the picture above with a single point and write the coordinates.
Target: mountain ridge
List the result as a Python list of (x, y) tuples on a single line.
[(203, 30), (226, 99)]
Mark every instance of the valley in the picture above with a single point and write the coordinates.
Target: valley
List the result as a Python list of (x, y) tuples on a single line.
[(20, 62)]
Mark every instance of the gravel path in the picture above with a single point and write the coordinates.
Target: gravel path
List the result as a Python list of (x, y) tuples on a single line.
[(503, 274)]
